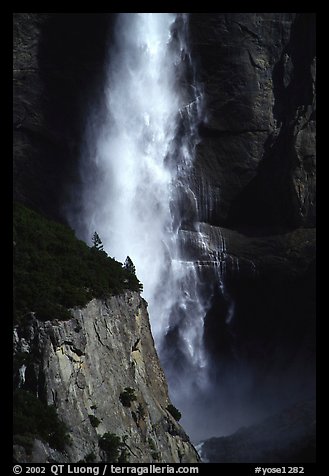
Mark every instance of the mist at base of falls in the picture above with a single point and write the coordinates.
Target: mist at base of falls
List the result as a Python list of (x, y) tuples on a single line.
[(138, 192)]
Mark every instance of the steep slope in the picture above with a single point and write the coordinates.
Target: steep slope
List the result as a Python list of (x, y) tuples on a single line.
[(87, 379)]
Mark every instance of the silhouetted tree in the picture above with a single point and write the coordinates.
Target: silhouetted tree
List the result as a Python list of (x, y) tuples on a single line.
[(129, 266), (97, 242)]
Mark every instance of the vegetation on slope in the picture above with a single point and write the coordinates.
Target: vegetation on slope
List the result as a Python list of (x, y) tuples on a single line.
[(54, 271), (35, 419)]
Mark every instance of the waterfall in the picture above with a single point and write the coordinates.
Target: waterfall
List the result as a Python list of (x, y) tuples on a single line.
[(136, 192)]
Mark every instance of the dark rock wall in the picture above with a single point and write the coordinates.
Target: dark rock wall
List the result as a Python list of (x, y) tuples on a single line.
[(255, 181), (257, 156), (58, 74), (256, 163)]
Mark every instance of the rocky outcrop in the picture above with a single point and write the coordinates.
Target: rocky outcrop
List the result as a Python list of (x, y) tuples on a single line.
[(288, 437), (83, 366)]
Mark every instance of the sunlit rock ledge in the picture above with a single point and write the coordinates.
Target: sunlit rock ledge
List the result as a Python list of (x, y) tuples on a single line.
[(234, 253)]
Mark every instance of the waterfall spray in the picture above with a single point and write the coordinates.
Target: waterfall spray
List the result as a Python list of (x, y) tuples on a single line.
[(136, 189)]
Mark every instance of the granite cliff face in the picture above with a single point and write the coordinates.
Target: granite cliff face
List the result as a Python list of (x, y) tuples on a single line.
[(81, 366)]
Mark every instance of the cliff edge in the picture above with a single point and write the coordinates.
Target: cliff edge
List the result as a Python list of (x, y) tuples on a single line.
[(101, 372)]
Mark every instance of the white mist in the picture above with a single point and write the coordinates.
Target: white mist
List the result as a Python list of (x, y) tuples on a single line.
[(135, 170)]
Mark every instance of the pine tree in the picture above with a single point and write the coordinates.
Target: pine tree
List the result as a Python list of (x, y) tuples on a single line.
[(129, 266), (97, 242)]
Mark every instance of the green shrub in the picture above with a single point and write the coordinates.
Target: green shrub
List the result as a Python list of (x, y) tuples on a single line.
[(35, 419), (127, 396), (174, 412), (94, 421), (54, 271), (112, 445)]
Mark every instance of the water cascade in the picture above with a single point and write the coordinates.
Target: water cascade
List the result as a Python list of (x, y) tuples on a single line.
[(137, 192)]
